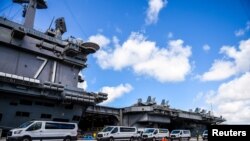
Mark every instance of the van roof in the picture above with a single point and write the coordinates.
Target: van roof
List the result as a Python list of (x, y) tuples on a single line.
[(53, 121), (181, 130), (119, 126), (157, 128)]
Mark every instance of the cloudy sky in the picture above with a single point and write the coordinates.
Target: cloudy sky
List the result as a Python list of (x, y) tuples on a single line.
[(193, 53)]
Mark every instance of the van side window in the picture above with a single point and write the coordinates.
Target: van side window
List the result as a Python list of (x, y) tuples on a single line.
[(156, 131), (163, 130), (50, 125), (126, 129), (115, 130), (35, 126)]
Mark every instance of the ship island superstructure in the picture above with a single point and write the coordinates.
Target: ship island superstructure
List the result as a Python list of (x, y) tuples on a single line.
[(39, 71)]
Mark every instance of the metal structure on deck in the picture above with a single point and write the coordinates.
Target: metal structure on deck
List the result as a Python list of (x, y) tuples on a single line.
[(150, 114)]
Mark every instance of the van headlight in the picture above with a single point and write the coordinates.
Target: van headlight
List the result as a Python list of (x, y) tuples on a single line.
[(18, 131)]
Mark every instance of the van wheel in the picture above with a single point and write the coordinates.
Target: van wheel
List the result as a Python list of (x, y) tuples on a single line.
[(67, 139), (111, 139), (26, 139), (154, 139)]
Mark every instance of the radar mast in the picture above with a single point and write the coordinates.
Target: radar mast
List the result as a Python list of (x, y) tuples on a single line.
[(29, 11)]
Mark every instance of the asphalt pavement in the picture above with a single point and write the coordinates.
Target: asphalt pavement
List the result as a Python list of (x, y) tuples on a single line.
[(192, 139)]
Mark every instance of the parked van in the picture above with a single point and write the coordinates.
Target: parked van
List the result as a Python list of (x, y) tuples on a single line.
[(154, 134), (112, 133), (140, 132), (43, 130), (180, 134), (205, 135)]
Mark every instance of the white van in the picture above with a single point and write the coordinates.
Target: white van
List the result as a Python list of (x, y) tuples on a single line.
[(44, 130), (180, 134), (155, 134), (112, 133), (205, 135)]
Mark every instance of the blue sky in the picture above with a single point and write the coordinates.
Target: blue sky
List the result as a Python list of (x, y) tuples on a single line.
[(192, 53)]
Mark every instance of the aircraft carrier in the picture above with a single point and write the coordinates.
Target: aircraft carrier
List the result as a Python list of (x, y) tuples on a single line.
[(39, 73)]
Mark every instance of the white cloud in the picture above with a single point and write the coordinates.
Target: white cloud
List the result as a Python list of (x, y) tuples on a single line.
[(206, 47), (101, 40), (168, 64), (220, 70), (231, 98), (153, 10), (236, 61), (82, 85), (239, 32), (170, 35), (116, 92), (198, 97), (248, 26), (242, 32)]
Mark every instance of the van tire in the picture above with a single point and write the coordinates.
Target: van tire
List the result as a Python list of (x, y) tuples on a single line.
[(26, 138), (111, 139), (132, 139), (153, 139), (68, 138)]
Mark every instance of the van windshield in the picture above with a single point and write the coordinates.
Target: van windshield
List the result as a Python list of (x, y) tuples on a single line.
[(149, 130), (175, 132), (26, 124), (107, 129)]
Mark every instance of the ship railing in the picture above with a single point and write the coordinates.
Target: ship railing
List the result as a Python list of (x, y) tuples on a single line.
[(12, 78)]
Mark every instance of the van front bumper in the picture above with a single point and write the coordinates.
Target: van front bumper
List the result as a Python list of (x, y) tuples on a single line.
[(175, 138), (14, 139), (102, 138), (147, 138)]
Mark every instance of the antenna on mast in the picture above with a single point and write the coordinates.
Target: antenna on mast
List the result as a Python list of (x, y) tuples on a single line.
[(51, 22), (212, 113), (30, 11)]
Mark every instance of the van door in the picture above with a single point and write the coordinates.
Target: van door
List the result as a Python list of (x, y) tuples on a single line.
[(114, 133), (156, 134), (35, 131)]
